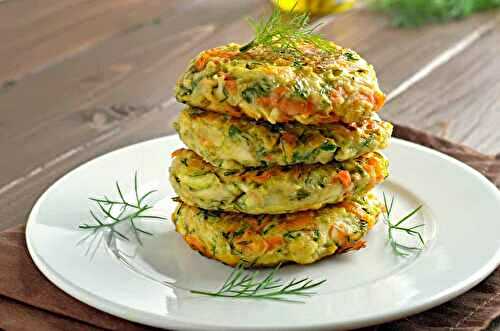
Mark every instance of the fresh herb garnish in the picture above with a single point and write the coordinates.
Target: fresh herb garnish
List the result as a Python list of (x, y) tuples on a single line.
[(411, 13), (351, 57), (300, 89), (285, 35), (298, 64), (316, 235), (268, 228), (247, 285), (398, 248), (368, 141), (259, 89), (328, 147), (293, 234), (234, 131), (128, 211), (302, 194), (239, 232)]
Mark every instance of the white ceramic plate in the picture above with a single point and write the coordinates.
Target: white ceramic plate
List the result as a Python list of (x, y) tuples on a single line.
[(371, 286)]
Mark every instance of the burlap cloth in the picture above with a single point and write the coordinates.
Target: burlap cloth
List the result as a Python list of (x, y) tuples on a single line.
[(28, 301)]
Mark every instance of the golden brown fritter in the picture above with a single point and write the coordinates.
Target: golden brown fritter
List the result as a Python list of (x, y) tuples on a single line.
[(237, 143), (268, 240), (316, 87), (274, 190)]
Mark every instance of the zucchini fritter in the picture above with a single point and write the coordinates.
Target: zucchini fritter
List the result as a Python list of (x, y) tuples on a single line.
[(235, 143), (318, 87), (267, 240), (273, 190)]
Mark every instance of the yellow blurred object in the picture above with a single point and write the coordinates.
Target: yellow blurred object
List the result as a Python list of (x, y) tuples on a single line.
[(315, 7)]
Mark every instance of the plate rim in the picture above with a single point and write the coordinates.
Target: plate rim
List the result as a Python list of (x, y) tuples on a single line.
[(147, 318)]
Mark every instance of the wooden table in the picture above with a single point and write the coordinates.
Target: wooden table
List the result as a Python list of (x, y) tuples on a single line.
[(80, 78)]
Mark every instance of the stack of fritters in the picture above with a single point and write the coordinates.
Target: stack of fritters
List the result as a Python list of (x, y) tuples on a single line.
[(282, 154)]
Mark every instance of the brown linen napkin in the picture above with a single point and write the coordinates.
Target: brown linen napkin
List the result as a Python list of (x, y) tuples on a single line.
[(28, 301)]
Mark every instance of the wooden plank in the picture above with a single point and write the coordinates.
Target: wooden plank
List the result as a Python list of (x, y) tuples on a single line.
[(51, 31), (398, 53), (66, 105), (20, 199), (459, 101)]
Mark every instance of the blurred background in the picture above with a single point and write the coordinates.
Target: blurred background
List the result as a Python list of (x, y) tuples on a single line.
[(315, 7)]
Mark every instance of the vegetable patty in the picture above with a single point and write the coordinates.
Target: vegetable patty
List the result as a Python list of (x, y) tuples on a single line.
[(236, 143), (316, 87), (267, 240), (273, 190)]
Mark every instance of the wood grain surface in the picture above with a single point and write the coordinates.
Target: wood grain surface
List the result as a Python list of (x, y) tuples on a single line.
[(79, 78), (459, 101)]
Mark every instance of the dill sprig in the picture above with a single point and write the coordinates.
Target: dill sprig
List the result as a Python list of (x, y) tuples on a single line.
[(286, 34), (398, 248), (412, 13), (129, 211), (247, 285)]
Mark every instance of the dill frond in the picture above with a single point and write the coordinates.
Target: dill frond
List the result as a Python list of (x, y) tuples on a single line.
[(247, 285), (286, 34), (398, 248), (129, 211)]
